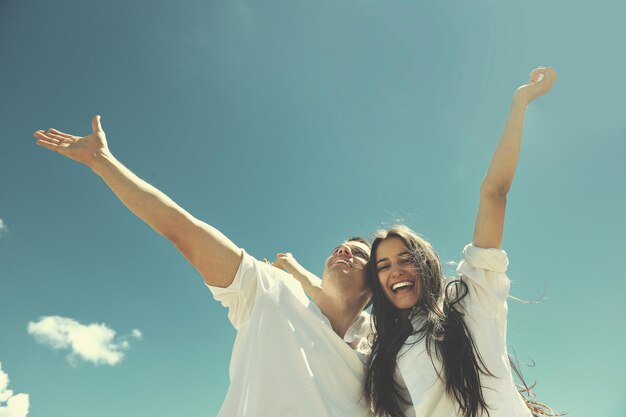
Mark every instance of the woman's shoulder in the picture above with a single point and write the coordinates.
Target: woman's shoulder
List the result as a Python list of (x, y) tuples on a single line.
[(492, 259)]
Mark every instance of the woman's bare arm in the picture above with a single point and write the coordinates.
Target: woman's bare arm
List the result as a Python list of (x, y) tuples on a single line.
[(497, 183), (311, 283)]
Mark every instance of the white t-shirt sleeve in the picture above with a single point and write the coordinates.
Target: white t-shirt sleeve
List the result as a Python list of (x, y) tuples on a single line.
[(484, 271), (239, 297)]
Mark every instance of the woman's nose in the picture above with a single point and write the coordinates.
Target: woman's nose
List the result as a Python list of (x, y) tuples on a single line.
[(395, 271)]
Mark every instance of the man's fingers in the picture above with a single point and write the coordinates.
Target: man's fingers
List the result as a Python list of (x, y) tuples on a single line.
[(95, 123), (41, 135), (58, 132), (49, 145), (60, 138)]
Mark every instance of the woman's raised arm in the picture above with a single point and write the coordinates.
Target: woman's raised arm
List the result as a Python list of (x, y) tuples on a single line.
[(497, 182)]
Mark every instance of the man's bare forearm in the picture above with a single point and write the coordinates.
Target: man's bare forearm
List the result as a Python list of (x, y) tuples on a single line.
[(213, 255), (148, 203)]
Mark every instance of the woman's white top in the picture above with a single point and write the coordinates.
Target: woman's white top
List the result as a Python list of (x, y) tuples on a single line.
[(485, 308)]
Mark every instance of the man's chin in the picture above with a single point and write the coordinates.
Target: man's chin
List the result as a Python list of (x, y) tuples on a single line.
[(337, 270), (342, 264)]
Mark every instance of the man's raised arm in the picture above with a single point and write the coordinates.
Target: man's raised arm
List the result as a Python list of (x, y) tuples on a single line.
[(213, 255)]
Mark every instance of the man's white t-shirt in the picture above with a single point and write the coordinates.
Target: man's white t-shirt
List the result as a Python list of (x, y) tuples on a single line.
[(287, 361)]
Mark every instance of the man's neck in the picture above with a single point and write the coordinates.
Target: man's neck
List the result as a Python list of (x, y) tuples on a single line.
[(339, 311)]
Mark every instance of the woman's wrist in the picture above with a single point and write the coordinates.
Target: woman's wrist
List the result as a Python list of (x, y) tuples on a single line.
[(519, 100)]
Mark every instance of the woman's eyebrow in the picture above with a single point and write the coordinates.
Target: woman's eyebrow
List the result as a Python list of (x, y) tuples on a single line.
[(405, 253)]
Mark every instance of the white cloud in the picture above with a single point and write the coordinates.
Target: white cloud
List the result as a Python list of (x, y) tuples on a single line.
[(11, 405), (95, 343), (3, 229)]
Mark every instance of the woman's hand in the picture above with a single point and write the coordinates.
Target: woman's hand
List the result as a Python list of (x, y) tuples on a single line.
[(80, 149), (311, 284), (541, 81), (287, 262)]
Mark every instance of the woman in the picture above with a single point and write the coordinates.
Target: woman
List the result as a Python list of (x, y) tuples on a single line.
[(440, 350)]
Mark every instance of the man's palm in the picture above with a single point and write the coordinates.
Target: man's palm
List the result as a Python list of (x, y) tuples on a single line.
[(80, 149)]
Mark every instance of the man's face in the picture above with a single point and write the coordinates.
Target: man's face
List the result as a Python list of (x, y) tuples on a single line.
[(346, 263)]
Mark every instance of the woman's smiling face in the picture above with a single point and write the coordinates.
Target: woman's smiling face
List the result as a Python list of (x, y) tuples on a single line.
[(397, 273)]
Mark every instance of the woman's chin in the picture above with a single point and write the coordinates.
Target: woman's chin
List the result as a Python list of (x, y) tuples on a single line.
[(406, 302)]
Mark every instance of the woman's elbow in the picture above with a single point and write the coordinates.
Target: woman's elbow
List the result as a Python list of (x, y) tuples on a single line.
[(494, 189)]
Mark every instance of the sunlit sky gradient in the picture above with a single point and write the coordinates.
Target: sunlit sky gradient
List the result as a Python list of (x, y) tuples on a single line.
[(290, 125)]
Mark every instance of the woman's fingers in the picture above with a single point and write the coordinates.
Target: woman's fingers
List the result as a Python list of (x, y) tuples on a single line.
[(536, 75), (542, 73), (541, 81), (549, 77)]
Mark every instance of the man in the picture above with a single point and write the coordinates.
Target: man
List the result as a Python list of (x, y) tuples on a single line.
[(287, 360)]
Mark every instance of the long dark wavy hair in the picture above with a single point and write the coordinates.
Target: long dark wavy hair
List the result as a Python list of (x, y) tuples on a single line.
[(443, 328)]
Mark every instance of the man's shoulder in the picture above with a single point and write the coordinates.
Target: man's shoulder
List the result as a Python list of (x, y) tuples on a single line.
[(272, 280)]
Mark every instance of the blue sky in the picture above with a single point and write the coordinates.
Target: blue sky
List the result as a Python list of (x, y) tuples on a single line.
[(290, 125)]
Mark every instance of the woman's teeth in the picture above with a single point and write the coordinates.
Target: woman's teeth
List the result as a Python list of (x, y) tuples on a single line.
[(400, 285)]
